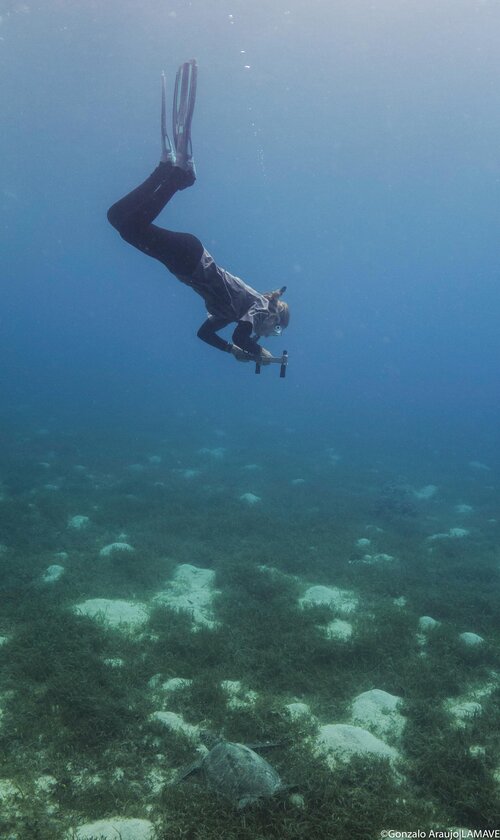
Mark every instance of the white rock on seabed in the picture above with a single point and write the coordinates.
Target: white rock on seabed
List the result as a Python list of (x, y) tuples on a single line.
[(124, 615), (471, 639), (114, 828), (458, 533), (464, 509), (115, 662), (463, 711), (299, 711), (453, 533), (53, 573), (238, 696), (45, 783), (465, 708), (192, 591), (340, 600), (478, 465), (78, 522), (187, 473), (114, 547), (156, 780), (217, 454), (378, 711), (339, 630), (426, 623), (135, 468), (11, 798), (176, 723), (175, 683), (373, 559), (250, 498), (426, 492), (339, 742)]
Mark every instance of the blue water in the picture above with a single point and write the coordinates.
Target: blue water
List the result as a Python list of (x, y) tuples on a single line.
[(355, 159), (347, 149)]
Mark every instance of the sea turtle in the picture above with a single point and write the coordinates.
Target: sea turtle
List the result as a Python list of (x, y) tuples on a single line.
[(237, 773)]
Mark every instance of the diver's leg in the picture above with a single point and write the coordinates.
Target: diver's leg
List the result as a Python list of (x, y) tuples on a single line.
[(141, 206), (174, 172), (179, 252), (132, 215)]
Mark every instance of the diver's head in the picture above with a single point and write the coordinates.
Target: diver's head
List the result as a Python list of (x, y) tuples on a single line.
[(284, 313), (278, 317)]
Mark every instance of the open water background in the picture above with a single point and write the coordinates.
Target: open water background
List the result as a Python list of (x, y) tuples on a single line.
[(347, 149)]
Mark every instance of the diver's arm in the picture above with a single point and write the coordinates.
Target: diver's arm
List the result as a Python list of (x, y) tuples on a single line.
[(208, 333), (244, 347), (242, 336)]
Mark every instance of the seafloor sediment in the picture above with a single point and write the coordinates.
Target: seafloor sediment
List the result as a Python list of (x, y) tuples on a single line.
[(154, 593)]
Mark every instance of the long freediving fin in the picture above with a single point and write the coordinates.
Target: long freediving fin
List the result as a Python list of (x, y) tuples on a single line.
[(166, 145), (182, 114)]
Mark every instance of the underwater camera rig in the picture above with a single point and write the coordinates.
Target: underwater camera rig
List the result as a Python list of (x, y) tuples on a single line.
[(277, 360)]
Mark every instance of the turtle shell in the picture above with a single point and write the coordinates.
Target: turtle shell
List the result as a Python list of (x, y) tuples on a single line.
[(236, 772)]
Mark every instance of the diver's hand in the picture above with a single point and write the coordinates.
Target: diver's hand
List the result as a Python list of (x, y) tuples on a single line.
[(239, 354), (265, 356)]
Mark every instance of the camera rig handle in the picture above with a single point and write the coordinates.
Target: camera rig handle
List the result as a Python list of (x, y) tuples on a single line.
[(277, 360)]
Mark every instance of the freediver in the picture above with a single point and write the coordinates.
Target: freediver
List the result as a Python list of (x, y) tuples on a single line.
[(227, 298)]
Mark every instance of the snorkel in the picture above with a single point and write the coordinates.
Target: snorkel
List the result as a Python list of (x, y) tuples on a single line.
[(274, 297)]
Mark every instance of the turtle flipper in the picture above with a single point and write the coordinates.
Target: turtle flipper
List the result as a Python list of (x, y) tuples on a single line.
[(264, 745), (245, 801), (190, 770)]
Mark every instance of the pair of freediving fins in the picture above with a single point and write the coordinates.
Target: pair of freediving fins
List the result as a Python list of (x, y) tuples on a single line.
[(181, 152)]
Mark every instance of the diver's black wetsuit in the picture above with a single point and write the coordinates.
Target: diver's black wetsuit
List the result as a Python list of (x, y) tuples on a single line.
[(227, 298)]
